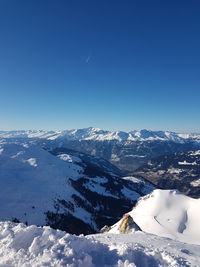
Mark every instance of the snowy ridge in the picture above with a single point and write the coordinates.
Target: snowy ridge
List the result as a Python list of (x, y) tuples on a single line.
[(168, 213), (30, 134), (97, 134)]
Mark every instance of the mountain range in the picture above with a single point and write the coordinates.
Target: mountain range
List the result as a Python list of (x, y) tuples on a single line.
[(73, 180), (97, 134), (127, 151)]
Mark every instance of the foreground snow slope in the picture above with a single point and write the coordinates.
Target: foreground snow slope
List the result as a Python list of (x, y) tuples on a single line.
[(33, 246), (169, 214)]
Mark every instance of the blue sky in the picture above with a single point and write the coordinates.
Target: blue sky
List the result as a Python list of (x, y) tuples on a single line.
[(110, 64)]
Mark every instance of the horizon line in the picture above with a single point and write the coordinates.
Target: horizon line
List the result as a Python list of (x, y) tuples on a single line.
[(97, 128)]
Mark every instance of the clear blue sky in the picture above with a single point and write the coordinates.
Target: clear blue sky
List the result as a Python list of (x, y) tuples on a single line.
[(128, 64)]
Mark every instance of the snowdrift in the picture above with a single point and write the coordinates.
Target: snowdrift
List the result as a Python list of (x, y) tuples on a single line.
[(169, 214), (35, 246)]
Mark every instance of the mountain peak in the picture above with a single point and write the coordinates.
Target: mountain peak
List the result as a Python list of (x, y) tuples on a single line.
[(97, 134)]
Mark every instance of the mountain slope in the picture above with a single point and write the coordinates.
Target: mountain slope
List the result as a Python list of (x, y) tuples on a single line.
[(178, 170), (167, 213), (76, 193)]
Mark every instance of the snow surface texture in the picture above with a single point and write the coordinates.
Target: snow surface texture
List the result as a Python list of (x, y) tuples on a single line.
[(33, 246), (167, 213)]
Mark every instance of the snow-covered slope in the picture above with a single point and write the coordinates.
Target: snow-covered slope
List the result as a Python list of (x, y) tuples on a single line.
[(179, 170), (65, 189), (36, 247), (30, 134), (167, 213), (31, 179)]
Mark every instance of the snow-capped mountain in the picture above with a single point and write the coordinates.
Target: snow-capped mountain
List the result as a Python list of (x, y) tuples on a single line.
[(97, 134), (62, 188), (178, 170), (167, 213), (127, 151)]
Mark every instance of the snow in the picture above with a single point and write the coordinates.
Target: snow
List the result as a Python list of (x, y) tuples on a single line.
[(97, 134), (32, 179), (195, 153), (187, 163), (36, 183), (130, 193), (191, 136), (148, 187), (32, 162), (195, 183), (160, 172), (146, 250), (32, 246), (97, 188), (30, 134), (136, 156), (174, 170), (37, 247), (69, 158), (143, 135), (167, 213), (132, 178), (185, 136), (85, 216)]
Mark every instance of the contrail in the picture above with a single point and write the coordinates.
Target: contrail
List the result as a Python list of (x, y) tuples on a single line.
[(88, 59)]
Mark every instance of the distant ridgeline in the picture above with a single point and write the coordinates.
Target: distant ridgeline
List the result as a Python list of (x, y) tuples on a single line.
[(127, 151)]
